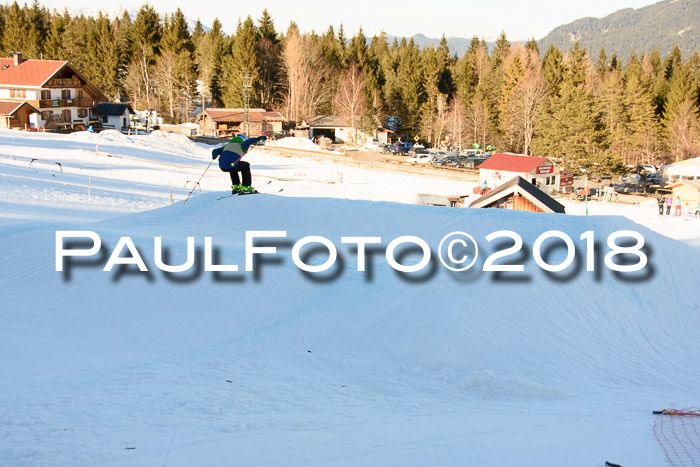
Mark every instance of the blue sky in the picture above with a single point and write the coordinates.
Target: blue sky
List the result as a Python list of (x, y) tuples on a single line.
[(485, 18)]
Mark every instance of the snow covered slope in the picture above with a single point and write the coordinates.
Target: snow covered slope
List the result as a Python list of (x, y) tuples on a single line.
[(279, 367)]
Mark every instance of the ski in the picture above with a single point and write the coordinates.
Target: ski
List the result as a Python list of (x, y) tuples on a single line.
[(234, 194), (266, 192), (261, 192)]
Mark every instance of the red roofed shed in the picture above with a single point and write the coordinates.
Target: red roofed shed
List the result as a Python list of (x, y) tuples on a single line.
[(503, 167)]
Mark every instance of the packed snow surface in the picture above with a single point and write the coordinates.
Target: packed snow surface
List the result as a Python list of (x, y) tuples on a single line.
[(344, 367)]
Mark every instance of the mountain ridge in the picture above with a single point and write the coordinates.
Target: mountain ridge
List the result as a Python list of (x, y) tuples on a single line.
[(661, 25)]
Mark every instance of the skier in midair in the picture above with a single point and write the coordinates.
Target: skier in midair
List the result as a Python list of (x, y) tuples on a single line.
[(230, 155)]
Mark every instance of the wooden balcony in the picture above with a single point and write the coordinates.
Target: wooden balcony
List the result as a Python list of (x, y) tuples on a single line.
[(53, 103), (64, 83)]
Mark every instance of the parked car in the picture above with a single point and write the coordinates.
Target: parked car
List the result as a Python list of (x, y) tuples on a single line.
[(420, 158), (399, 149), (414, 150), (450, 161)]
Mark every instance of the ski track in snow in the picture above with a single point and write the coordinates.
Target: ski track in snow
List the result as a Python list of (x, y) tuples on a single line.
[(366, 369)]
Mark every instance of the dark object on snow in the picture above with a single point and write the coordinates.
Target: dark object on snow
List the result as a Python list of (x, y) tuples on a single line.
[(610, 464)]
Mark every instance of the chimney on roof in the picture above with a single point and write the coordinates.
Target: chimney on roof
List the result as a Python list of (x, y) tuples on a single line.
[(18, 57)]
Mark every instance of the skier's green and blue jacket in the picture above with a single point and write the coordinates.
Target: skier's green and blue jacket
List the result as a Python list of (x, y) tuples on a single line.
[(232, 152)]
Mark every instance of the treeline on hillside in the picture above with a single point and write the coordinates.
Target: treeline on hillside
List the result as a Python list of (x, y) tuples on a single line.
[(556, 104)]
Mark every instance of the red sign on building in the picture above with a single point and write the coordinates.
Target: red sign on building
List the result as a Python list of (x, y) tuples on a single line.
[(545, 169)]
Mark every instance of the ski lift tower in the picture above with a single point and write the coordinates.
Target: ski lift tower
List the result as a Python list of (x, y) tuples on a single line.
[(247, 77)]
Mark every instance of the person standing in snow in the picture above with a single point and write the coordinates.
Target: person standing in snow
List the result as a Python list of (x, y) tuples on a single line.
[(677, 212), (697, 209), (484, 187), (230, 155), (660, 200), (669, 200)]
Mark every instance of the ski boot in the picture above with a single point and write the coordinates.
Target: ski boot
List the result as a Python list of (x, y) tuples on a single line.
[(247, 190)]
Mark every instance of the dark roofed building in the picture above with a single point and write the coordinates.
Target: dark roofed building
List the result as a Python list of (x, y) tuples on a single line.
[(519, 195), (114, 114), (224, 122), (330, 126)]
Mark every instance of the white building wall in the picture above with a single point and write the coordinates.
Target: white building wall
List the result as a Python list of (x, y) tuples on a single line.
[(496, 178)]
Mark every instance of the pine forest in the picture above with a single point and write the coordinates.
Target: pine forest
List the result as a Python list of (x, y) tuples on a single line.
[(585, 108)]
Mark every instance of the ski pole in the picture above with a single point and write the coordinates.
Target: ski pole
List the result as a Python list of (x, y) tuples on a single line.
[(196, 184)]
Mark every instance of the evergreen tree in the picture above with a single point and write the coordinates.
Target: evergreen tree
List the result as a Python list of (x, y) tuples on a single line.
[(672, 62), (331, 52), (243, 59), (269, 62), (409, 86), (357, 51), (209, 51), (175, 67), (532, 46), (38, 29), (642, 125), (500, 51), (572, 127), (103, 69), (577, 69), (680, 118), (514, 74), (53, 47), (615, 62), (144, 34), (601, 66), (553, 68), (445, 62), (14, 36), (75, 39)]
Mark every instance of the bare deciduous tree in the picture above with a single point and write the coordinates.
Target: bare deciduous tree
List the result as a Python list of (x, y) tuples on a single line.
[(524, 106), (350, 100), (683, 130), (477, 119), (165, 80), (305, 72)]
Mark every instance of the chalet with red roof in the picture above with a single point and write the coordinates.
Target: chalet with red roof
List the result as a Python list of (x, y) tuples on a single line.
[(503, 167), (54, 88), (227, 122)]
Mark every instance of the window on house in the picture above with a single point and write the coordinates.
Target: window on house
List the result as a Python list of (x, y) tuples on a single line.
[(80, 94), (82, 113), (18, 93), (65, 94), (46, 115), (46, 95), (104, 119)]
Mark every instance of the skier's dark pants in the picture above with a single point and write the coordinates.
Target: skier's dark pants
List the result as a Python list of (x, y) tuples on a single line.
[(661, 209), (668, 210), (244, 168)]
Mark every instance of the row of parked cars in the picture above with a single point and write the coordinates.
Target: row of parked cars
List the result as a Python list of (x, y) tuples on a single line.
[(418, 154)]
